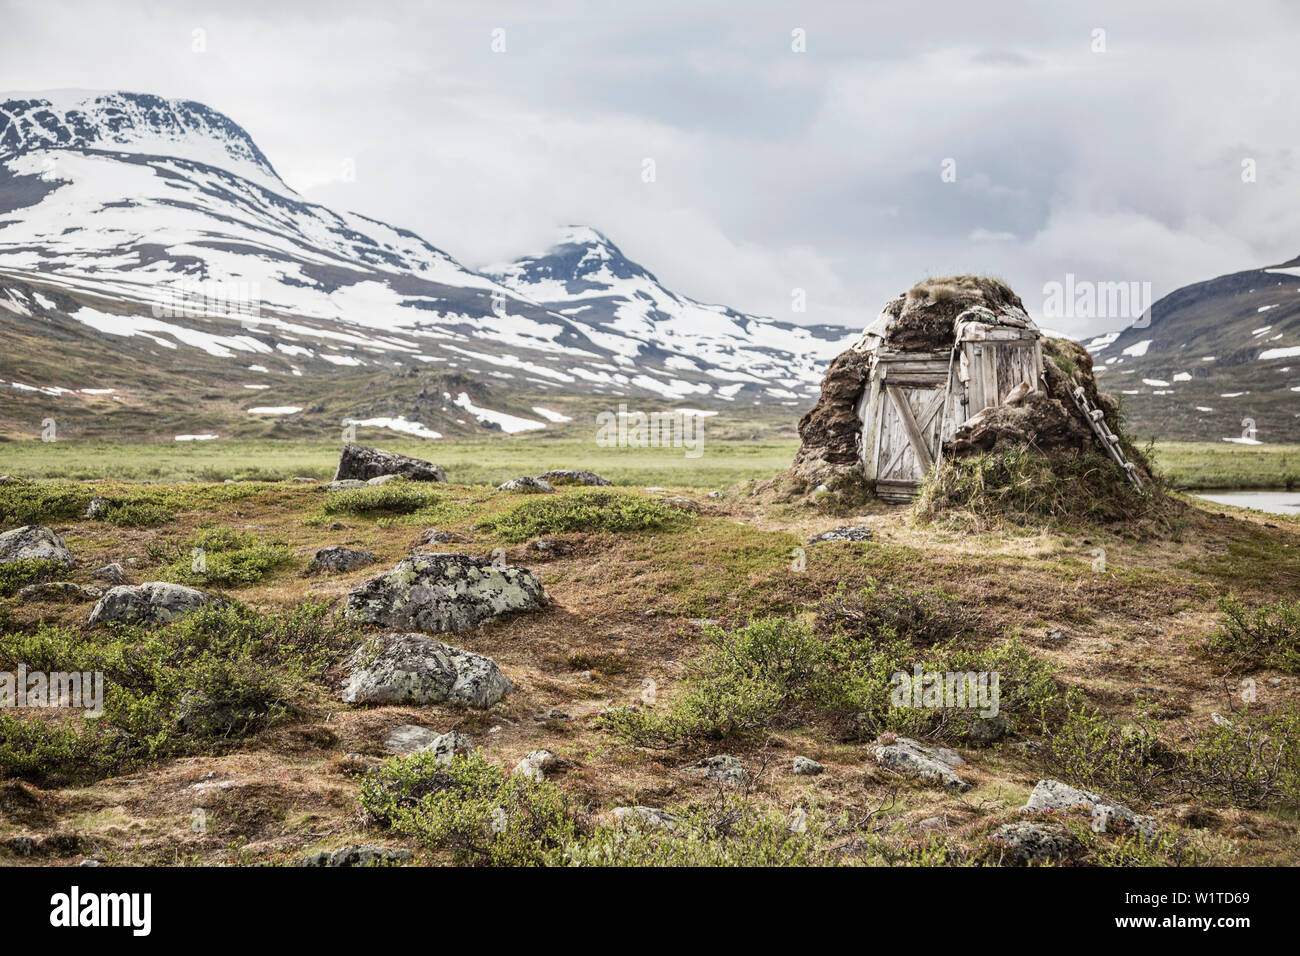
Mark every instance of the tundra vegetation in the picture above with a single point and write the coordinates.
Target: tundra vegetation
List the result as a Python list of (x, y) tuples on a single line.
[(1165, 679)]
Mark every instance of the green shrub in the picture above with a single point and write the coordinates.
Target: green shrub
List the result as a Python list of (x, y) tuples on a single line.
[(1086, 749), (393, 497), (1264, 636), (135, 514), (216, 675), (585, 511), (1249, 762), (17, 574), (471, 809), (42, 502), (736, 833), (230, 558), (776, 672)]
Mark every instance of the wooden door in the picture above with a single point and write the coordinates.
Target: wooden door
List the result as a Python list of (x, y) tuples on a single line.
[(909, 431)]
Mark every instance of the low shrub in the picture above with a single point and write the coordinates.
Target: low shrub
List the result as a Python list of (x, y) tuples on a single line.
[(585, 511), (778, 672), (214, 676), (1249, 638), (17, 574), (393, 497), (470, 809), (221, 557)]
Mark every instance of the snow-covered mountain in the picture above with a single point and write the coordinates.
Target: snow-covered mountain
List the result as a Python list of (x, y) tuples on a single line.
[(1215, 360), (135, 229), (584, 276)]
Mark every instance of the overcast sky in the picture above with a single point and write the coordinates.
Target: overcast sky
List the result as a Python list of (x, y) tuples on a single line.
[(774, 169)]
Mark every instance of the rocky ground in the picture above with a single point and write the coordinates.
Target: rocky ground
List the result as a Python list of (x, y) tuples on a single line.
[(562, 653)]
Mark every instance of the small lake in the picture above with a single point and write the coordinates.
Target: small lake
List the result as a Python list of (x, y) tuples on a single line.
[(1274, 502)]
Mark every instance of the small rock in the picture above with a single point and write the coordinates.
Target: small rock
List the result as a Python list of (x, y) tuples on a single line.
[(646, 816), (535, 765), (806, 767), (416, 669), (1035, 843), (33, 542), (931, 764), (21, 845), (565, 476), (724, 769), (59, 591), (930, 824), (526, 484), (409, 738), (363, 855), (345, 484), (383, 479), (685, 504), (337, 526), (112, 573), (336, 559), (437, 536), (98, 505), (1056, 636), (845, 533)]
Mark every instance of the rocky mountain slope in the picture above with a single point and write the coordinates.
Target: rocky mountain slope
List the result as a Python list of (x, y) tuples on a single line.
[(147, 245), (1214, 360)]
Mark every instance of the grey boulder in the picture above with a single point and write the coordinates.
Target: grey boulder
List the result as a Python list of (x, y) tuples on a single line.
[(411, 739), (444, 592), (1035, 843), (526, 484), (724, 769), (335, 559), (33, 542), (112, 573), (1054, 795), (64, 591), (930, 764), (363, 855), (806, 767), (416, 669), (157, 602), (362, 463), (649, 817), (566, 476)]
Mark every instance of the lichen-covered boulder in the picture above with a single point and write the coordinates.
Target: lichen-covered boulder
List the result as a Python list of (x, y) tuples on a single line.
[(724, 769), (845, 533), (416, 669), (32, 542), (157, 602), (336, 559), (1035, 843), (1054, 795), (931, 764), (444, 592), (361, 463), (566, 476)]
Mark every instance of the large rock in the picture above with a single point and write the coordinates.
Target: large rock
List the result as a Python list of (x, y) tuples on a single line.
[(931, 764), (34, 543), (411, 739), (566, 476), (416, 669), (157, 602), (361, 463), (1107, 815), (444, 592)]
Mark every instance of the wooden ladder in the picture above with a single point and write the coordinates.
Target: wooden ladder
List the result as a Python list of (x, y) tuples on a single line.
[(1109, 440)]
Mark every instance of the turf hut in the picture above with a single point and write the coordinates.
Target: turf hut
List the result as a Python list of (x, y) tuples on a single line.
[(953, 367)]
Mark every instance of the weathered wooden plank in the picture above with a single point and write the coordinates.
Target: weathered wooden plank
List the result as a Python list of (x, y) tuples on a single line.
[(910, 427)]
